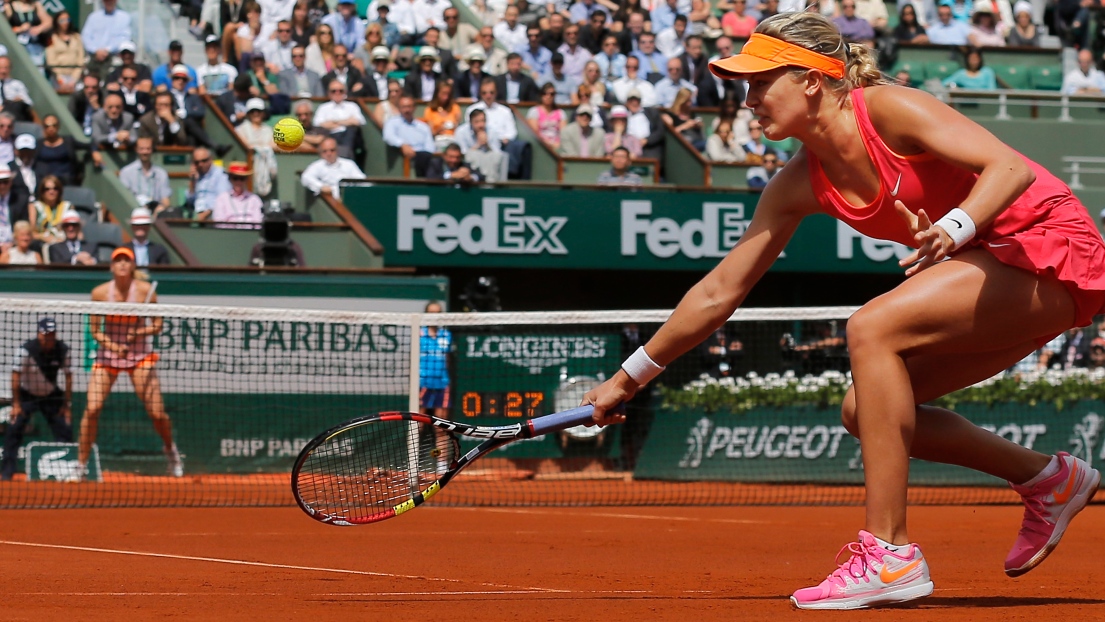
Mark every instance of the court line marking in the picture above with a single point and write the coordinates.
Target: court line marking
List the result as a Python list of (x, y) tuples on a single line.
[(738, 521), (236, 594), (240, 562)]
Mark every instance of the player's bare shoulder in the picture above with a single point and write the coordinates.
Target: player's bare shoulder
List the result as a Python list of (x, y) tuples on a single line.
[(790, 191), (99, 293)]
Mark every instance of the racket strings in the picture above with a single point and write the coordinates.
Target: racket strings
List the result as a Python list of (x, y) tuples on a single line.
[(368, 469)]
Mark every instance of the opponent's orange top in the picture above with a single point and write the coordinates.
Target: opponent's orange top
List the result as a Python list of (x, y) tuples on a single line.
[(1045, 230)]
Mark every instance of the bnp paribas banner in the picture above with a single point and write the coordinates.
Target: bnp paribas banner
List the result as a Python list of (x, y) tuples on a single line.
[(810, 445), (576, 228)]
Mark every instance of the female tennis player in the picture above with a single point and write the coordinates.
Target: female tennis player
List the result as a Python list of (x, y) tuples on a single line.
[(125, 347), (1006, 258)]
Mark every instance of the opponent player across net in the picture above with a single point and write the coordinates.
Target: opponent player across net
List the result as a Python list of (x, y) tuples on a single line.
[(1024, 263)]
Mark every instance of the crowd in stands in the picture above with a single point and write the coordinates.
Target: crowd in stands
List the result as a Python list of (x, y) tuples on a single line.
[(460, 101)]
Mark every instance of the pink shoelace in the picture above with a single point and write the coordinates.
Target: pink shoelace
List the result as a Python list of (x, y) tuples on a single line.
[(1035, 514), (857, 560)]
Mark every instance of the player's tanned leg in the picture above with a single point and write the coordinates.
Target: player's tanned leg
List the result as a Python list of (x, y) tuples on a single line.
[(99, 387), (969, 304)]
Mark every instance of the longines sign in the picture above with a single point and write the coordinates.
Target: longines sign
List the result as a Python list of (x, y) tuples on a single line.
[(570, 228)]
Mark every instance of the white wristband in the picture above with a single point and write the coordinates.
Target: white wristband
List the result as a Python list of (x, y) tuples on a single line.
[(640, 367), (959, 226)]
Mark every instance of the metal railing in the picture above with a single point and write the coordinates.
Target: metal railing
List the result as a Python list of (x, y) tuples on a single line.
[(1081, 165), (1004, 99)]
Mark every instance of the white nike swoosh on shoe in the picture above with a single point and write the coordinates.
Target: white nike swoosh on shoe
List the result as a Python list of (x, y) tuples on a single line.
[(897, 184)]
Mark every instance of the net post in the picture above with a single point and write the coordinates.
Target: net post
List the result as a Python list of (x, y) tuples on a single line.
[(416, 361)]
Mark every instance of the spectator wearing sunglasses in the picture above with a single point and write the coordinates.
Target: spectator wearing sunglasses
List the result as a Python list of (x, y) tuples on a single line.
[(298, 81), (127, 52), (278, 51), (206, 181), (341, 117), (135, 101)]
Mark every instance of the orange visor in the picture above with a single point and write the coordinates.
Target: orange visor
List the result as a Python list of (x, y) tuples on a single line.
[(764, 53), (122, 251)]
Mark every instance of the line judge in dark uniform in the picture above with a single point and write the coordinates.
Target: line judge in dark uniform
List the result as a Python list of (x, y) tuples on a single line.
[(35, 388)]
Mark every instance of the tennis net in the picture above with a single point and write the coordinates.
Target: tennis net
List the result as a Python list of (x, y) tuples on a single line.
[(749, 417)]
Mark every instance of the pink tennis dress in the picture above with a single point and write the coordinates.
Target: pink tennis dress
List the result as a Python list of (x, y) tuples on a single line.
[(140, 353), (1045, 231)]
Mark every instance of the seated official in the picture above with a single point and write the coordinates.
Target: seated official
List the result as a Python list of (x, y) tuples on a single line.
[(411, 136), (146, 253), (325, 174), (451, 166)]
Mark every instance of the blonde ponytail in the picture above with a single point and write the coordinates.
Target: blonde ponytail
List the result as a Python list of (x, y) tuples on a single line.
[(862, 68)]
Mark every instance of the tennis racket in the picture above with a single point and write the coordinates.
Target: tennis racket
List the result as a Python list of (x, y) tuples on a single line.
[(377, 467)]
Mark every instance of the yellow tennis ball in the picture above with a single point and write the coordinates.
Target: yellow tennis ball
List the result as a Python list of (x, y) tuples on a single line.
[(288, 134)]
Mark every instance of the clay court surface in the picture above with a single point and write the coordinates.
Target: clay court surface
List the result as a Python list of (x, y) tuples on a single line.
[(610, 564)]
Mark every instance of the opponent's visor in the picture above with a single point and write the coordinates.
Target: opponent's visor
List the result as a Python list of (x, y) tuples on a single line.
[(763, 53)]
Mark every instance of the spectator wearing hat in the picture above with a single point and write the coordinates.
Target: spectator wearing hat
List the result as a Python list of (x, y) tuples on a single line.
[(456, 36), (254, 132), (536, 58), (206, 181), (579, 139), (1024, 32), (146, 181), (146, 253), (323, 176), (135, 101), (26, 163), (422, 80), (127, 52), (984, 31), (618, 137), (446, 64), (239, 205), (947, 30), (162, 74), (105, 30), (348, 28), (632, 81), (112, 126), (509, 32), (341, 117), (36, 389), (468, 83), (411, 136), (564, 84), (278, 51), (14, 97), (494, 57), (350, 77), (619, 174), (513, 86), (162, 123), (215, 77), (376, 78), (298, 81), (73, 251), (191, 109)]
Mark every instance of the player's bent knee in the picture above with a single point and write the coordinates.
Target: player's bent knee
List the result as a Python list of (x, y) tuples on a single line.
[(867, 328)]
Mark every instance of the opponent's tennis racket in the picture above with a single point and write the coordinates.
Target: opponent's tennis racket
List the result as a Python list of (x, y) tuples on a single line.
[(372, 468)]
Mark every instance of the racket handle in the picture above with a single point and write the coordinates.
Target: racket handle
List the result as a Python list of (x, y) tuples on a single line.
[(562, 420)]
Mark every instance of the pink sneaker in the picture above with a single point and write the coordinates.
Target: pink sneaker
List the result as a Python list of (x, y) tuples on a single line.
[(1048, 508), (870, 577)]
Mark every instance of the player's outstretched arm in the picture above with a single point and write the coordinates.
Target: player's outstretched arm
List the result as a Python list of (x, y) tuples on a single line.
[(785, 202)]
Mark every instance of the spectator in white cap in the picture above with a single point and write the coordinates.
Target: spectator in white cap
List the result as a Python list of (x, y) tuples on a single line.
[(468, 83), (278, 51), (1023, 33), (73, 251), (579, 139), (162, 75), (376, 76), (348, 28), (146, 253), (215, 77), (127, 52), (323, 175), (190, 109), (26, 162), (105, 30), (298, 81), (257, 135), (618, 135), (422, 80)]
